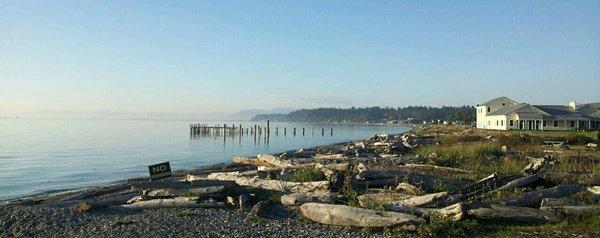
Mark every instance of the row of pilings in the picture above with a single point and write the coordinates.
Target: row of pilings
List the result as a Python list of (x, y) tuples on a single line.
[(255, 130)]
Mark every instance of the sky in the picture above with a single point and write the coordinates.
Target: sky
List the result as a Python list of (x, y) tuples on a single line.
[(207, 58)]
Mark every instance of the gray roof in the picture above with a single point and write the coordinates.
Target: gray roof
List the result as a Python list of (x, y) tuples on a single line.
[(584, 112), (496, 100)]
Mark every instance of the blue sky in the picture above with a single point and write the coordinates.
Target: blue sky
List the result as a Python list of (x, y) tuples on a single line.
[(211, 57)]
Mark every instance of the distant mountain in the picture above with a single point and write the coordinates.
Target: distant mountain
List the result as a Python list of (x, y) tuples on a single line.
[(248, 114)]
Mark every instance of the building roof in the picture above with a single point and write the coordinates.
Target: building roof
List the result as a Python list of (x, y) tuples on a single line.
[(493, 101), (584, 112)]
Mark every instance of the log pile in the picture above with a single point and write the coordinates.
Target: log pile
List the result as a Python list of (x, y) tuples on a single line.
[(372, 176)]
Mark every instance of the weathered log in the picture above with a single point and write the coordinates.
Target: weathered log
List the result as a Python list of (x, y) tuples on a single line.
[(436, 169), (215, 191), (329, 157), (520, 182), (250, 161), (178, 202), (351, 216), (378, 179), (573, 210), (277, 185), (456, 212), (181, 184), (553, 202), (408, 189), (533, 198), (274, 161), (372, 200), (517, 214), (421, 200), (534, 165), (299, 198), (594, 189), (475, 189)]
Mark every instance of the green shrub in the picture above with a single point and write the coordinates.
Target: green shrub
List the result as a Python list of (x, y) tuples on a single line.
[(308, 175), (439, 226)]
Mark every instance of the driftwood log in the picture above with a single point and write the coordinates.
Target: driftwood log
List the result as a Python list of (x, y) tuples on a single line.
[(215, 191), (408, 189), (181, 184), (372, 200), (533, 198), (277, 185), (351, 216), (508, 213), (178, 202), (274, 161), (455, 212), (421, 200), (520, 182), (573, 210), (299, 199)]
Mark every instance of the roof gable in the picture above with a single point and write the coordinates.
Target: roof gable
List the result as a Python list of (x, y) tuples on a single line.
[(499, 100)]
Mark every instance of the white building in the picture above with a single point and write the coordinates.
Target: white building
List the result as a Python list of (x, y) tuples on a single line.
[(505, 114)]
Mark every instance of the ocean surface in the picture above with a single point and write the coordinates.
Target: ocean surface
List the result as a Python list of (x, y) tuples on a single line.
[(38, 155)]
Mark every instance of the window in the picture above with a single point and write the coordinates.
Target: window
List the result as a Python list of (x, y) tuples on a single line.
[(488, 109), (544, 123), (503, 104), (497, 123), (502, 122), (572, 123), (555, 123), (511, 123)]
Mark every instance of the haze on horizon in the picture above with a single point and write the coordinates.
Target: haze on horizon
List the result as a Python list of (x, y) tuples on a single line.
[(208, 58)]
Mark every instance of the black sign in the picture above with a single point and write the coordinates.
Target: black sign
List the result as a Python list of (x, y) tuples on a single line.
[(159, 171)]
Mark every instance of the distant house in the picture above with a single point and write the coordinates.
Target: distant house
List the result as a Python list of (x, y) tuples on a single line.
[(505, 114)]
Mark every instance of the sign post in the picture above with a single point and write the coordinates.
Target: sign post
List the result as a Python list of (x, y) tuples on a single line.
[(160, 171)]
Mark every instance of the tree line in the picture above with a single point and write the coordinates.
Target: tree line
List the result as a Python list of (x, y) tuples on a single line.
[(373, 114)]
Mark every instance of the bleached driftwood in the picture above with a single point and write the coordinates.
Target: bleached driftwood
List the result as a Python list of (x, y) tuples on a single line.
[(436, 169), (301, 198), (520, 182), (408, 189), (178, 202), (329, 157), (294, 187), (573, 210), (533, 198), (594, 190), (534, 165), (508, 213), (215, 191), (274, 161), (250, 161), (351, 216), (421, 200), (180, 184), (371, 200), (455, 212)]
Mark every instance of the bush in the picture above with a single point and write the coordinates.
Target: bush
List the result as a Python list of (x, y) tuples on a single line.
[(308, 175), (438, 226)]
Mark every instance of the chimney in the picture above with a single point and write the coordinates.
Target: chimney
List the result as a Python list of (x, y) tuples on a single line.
[(573, 105)]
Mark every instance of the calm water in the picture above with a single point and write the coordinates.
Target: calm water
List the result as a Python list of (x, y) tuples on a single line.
[(38, 155)]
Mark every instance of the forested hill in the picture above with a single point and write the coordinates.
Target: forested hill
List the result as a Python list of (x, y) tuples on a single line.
[(373, 114)]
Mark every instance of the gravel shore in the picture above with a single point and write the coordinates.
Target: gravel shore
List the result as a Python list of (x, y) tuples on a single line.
[(43, 221)]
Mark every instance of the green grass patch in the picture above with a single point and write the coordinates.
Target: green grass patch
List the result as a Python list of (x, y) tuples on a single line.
[(308, 175), (438, 226)]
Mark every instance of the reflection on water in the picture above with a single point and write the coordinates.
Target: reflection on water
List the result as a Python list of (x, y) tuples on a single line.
[(38, 155)]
